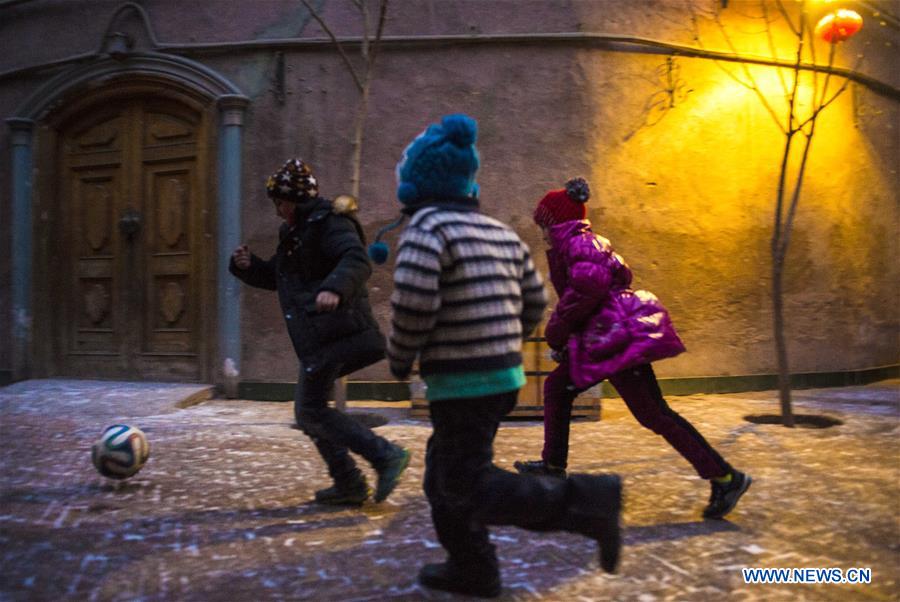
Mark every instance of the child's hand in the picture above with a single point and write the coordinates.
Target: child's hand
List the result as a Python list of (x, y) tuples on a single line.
[(327, 301), (241, 257)]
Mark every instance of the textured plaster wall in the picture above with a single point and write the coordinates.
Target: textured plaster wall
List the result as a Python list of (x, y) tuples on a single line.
[(686, 195), (688, 200), (690, 203)]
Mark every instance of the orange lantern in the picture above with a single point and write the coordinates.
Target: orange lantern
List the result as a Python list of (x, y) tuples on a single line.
[(838, 26)]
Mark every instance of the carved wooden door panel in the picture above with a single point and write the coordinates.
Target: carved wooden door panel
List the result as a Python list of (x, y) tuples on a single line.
[(134, 243)]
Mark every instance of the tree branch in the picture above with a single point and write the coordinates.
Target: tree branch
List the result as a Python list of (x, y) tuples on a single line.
[(822, 106), (792, 117), (789, 222), (749, 75), (818, 103), (812, 55), (779, 196), (751, 85), (364, 48), (781, 231), (772, 49), (382, 18), (327, 30), (787, 17)]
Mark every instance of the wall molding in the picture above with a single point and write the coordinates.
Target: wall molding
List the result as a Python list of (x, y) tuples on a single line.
[(192, 75), (599, 40)]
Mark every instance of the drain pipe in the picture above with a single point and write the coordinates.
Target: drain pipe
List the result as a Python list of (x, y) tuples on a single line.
[(21, 140), (231, 111)]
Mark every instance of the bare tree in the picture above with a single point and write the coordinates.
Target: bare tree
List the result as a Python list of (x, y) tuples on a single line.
[(362, 75), (362, 78), (798, 127)]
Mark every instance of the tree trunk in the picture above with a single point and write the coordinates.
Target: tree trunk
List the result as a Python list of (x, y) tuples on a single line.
[(358, 133), (340, 387), (784, 374)]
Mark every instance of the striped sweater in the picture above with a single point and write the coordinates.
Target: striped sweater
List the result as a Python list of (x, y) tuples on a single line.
[(465, 294)]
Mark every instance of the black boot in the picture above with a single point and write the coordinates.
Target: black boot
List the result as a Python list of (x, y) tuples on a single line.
[(586, 504), (472, 579), (351, 492), (593, 506)]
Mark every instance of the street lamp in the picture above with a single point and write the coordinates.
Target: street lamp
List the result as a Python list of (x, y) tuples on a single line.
[(838, 26)]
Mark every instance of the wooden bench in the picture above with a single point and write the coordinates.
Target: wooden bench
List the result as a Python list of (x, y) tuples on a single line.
[(536, 358)]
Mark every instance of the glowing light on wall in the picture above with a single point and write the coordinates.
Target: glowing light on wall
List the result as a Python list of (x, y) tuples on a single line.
[(709, 102)]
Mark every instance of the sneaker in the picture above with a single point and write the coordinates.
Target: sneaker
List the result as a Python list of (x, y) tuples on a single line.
[(446, 577), (724, 497), (352, 494), (539, 467), (389, 473)]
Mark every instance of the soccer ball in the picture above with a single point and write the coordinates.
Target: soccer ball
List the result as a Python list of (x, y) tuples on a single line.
[(120, 452)]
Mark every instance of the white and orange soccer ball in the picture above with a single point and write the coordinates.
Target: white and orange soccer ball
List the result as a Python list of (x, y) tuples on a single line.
[(120, 452)]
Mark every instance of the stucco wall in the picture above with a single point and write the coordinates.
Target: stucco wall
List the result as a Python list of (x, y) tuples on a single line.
[(686, 194), (695, 222)]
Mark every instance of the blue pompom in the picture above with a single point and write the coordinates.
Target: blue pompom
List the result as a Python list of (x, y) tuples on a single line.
[(378, 252), (407, 192), (460, 129)]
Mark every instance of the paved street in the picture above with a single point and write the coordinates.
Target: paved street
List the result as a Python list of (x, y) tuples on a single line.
[(221, 511)]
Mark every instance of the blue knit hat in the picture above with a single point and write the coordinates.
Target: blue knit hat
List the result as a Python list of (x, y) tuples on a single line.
[(438, 165)]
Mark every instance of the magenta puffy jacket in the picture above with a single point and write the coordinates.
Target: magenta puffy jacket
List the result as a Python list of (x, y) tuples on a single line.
[(605, 326)]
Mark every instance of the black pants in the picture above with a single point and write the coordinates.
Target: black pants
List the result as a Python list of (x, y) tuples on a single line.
[(334, 433), (467, 492)]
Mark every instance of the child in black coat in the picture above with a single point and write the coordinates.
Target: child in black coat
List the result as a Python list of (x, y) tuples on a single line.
[(319, 270)]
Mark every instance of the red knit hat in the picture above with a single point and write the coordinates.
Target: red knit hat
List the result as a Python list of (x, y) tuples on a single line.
[(563, 205)]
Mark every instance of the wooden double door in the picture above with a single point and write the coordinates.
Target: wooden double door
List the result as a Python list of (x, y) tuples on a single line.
[(130, 273)]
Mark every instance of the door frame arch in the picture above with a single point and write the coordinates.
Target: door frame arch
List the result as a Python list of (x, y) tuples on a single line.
[(34, 137)]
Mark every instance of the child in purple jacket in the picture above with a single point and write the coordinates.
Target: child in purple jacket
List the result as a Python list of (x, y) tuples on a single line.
[(601, 329)]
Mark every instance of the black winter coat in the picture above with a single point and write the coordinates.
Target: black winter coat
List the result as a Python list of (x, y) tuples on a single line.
[(323, 251)]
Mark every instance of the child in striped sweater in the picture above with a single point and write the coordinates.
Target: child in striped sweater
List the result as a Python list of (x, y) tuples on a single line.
[(465, 294)]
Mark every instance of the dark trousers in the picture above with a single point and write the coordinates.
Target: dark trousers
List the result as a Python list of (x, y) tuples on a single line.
[(467, 492), (640, 391), (334, 433)]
